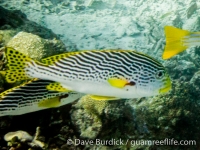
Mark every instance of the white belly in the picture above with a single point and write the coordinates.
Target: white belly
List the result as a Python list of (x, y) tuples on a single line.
[(101, 89)]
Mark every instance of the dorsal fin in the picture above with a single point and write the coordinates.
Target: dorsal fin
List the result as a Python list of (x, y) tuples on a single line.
[(52, 59)]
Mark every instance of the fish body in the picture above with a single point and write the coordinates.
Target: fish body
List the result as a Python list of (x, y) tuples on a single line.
[(178, 40), (33, 96), (106, 73)]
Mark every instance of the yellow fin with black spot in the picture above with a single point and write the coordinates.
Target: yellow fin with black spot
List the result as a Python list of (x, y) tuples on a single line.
[(50, 103), (97, 97), (55, 86), (175, 42), (16, 63), (119, 83)]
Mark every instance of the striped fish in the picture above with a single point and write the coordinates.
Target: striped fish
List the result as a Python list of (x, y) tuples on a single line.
[(33, 96), (105, 74)]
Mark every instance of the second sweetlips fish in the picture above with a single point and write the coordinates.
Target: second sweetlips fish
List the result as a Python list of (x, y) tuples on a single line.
[(104, 74), (33, 96)]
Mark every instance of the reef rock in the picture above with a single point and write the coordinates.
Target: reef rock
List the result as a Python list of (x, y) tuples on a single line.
[(35, 46), (6, 36), (191, 10), (194, 84), (180, 68), (20, 138), (21, 135)]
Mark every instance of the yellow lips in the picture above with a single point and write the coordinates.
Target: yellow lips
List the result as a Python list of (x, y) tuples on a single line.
[(166, 87)]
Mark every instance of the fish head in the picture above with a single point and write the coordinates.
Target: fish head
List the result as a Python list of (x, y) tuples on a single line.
[(153, 83)]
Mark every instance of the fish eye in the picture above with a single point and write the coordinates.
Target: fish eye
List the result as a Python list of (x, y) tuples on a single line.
[(160, 74)]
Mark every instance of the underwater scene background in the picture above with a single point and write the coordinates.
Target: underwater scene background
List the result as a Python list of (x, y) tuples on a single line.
[(43, 28)]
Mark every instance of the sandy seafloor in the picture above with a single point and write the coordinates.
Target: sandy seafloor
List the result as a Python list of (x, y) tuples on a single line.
[(120, 24)]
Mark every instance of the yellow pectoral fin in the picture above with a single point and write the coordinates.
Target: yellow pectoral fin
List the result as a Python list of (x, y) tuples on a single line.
[(55, 86), (50, 103), (103, 98), (119, 83), (174, 41)]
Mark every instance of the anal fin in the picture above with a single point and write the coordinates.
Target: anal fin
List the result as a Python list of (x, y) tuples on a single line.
[(97, 97)]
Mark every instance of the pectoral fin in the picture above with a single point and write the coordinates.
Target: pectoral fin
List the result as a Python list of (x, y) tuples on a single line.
[(119, 83), (97, 97), (55, 86)]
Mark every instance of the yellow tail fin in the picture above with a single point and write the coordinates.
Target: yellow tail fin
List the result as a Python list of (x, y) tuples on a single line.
[(174, 41), (16, 63)]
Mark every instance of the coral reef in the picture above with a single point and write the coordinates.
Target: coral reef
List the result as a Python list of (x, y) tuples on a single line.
[(19, 139), (86, 113), (103, 120), (173, 115)]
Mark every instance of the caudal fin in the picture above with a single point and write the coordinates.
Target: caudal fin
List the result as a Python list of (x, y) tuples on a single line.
[(174, 41), (16, 63)]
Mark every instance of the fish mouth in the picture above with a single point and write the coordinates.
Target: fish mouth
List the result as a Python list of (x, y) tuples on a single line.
[(166, 87)]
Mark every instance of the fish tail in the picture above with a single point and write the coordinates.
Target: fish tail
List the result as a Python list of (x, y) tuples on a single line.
[(17, 64), (176, 41)]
